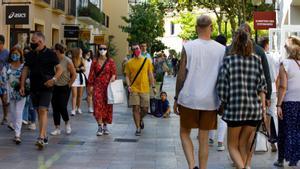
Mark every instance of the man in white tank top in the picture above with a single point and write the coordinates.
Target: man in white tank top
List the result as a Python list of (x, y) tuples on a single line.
[(196, 99)]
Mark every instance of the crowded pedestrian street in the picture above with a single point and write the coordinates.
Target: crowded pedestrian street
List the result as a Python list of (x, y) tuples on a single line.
[(149, 84), (158, 148)]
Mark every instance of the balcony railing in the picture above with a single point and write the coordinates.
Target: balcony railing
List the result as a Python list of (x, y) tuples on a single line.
[(47, 1), (72, 8), (43, 3), (59, 4), (91, 11)]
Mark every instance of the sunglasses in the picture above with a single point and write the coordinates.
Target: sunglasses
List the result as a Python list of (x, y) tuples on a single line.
[(102, 48), (135, 49)]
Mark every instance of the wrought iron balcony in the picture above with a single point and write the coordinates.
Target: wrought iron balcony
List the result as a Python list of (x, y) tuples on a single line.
[(91, 11), (59, 4), (72, 8), (47, 1), (42, 3)]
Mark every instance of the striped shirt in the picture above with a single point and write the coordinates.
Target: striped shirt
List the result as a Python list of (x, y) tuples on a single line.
[(240, 81)]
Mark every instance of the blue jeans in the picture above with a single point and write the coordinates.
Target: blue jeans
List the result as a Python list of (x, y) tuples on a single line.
[(29, 113)]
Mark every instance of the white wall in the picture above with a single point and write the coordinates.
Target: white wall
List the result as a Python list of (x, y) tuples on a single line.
[(172, 40)]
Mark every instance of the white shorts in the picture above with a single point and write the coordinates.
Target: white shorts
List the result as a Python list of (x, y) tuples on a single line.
[(77, 81)]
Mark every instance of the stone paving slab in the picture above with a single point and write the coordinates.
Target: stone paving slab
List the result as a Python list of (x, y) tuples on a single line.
[(158, 148)]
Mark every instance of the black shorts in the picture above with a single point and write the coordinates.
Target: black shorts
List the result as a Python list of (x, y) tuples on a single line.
[(252, 123), (41, 99)]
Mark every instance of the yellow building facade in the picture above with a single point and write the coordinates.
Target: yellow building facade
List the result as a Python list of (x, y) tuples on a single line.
[(53, 16), (47, 16), (115, 9)]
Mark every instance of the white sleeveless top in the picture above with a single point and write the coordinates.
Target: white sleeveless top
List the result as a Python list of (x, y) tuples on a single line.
[(204, 59), (293, 83)]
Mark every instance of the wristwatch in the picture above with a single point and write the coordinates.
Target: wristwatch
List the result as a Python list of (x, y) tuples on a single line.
[(175, 98)]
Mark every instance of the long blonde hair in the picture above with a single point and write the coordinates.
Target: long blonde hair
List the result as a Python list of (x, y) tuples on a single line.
[(292, 47), (76, 58)]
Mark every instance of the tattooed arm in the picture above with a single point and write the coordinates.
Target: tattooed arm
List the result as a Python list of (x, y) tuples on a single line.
[(180, 78)]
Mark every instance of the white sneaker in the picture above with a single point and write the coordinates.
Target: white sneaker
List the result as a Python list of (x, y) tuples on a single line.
[(73, 113), (91, 110), (68, 128), (25, 122), (99, 131), (105, 130), (79, 111), (56, 132), (32, 126), (221, 148)]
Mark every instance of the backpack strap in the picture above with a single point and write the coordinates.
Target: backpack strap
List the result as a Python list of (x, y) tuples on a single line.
[(137, 74)]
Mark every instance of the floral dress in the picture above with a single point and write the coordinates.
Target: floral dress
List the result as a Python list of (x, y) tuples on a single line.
[(3, 81), (13, 79), (100, 83)]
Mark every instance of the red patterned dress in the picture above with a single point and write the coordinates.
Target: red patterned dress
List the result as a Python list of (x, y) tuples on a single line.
[(102, 110)]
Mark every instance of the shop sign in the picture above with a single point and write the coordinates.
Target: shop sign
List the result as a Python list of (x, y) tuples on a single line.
[(16, 15), (99, 39), (85, 35), (264, 20), (71, 31)]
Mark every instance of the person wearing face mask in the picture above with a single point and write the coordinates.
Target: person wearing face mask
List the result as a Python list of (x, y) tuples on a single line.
[(29, 113), (17, 102), (44, 68), (3, 91), (88, 59), (139, 71), (103, 71)]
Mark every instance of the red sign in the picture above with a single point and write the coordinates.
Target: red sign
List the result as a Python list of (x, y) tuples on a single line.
[(264, 20)]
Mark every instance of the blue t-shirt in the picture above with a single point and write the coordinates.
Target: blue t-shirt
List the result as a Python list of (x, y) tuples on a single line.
[(164, 105), (146, 55)]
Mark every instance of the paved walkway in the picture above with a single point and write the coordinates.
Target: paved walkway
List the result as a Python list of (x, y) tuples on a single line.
[(158, 148)]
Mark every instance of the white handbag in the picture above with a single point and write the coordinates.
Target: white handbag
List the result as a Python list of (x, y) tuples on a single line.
[(116, 93), (261, 144)]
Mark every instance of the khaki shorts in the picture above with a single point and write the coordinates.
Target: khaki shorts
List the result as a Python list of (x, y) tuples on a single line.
[(201, 119), (139, 99)]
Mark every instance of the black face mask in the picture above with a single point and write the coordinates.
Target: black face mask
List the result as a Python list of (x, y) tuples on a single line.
[(33, 46)]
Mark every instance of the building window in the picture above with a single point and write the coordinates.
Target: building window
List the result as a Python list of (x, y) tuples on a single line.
[(172, 28), (107, 21)]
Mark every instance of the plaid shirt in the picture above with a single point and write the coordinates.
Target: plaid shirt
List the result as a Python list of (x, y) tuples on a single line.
[(240, 81)]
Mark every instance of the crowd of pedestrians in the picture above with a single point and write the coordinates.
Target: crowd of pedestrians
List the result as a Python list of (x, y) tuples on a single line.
[(247, 86), (235, 89)]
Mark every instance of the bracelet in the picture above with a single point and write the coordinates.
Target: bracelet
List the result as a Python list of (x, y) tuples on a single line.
[(278, 105), (153, 87), (54, 79)]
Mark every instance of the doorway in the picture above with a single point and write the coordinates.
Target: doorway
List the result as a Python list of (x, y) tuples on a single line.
[(19, 37)]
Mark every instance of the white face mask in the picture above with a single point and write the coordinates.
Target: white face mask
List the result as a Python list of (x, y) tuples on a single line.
[(102, 52)]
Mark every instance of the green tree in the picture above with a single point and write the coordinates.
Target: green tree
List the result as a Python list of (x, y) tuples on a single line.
[(145, 23), (187, 21), (236, 11)]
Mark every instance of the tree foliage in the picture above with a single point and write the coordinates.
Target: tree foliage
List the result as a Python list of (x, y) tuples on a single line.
[(187, 21), (145, 23), (235, 11)]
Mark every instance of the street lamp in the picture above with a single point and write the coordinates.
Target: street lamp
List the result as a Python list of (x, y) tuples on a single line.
[(256, 3)]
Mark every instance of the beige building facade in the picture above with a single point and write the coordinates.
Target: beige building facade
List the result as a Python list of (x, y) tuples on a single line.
[(115, 9), (47, 16), (53, 16)]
